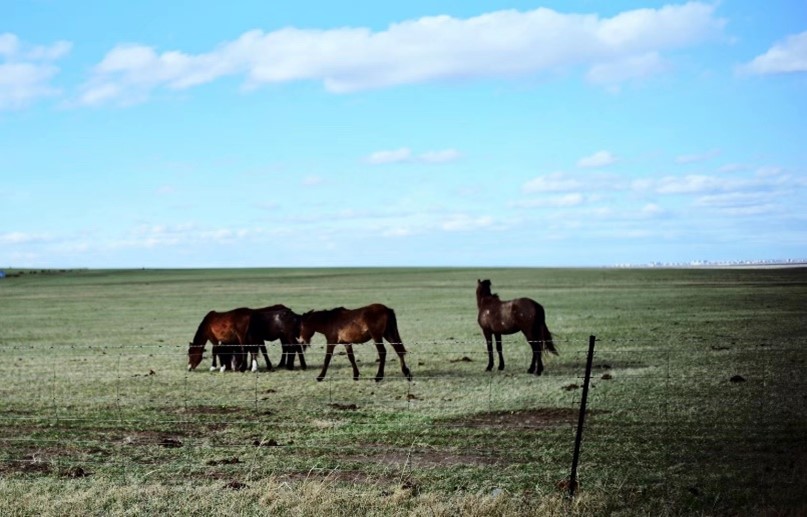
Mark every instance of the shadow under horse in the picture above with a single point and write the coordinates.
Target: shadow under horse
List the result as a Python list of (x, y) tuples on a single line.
[(497, 317), (229, 333), (374, 322)]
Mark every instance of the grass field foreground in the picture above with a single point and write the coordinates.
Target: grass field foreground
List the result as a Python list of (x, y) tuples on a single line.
[(698, 400)]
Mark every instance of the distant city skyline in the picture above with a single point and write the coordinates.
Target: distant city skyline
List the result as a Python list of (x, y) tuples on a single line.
[(496, 133)]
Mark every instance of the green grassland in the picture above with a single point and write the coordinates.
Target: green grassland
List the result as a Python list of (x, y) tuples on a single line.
[(698, 402)]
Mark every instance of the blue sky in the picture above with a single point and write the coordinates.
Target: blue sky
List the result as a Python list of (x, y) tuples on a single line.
[(496, 133)]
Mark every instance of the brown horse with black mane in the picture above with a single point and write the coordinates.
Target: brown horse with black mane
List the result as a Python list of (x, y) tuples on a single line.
[(349, 327), (519, 315), (228, 331)]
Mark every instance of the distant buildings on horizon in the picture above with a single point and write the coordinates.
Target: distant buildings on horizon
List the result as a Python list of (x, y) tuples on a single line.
[(722, 263)]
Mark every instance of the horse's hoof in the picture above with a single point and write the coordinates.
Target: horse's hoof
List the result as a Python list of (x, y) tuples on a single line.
[(213, 368), (489, 368), (501, 367), (319, 379), (377, 379), (531, 371), (222, 369)]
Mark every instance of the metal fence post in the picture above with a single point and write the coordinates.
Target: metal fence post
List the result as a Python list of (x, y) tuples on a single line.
[(581, 419)]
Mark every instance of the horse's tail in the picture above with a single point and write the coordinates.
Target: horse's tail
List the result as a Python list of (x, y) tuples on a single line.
[(546, 336), (391, 333)]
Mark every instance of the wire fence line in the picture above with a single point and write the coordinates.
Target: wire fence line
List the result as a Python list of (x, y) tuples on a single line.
[(106, 405)]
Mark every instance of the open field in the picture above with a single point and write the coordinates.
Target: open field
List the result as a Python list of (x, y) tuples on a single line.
[(698, 404)]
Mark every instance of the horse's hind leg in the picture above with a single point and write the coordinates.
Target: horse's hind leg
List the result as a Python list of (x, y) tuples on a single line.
[(266, 357), (328, 355), (401, 351), (382, 359), (298, 349), (536, 365), (498, 351)]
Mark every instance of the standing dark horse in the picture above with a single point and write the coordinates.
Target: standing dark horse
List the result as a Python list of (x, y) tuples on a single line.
[(278, 322), (349, 327), (520, 315), (229, 333)]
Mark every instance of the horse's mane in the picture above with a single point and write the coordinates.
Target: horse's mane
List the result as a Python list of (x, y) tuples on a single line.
[(325, 312), (200, 330), (275, 307)]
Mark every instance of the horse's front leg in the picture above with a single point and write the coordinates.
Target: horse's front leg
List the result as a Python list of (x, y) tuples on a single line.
[(297, 349), (328, 355), (352, 358), (499, 351), (215, 353), (289, 353), (489, 341), (266, 357), (382, 360), (253, 354)]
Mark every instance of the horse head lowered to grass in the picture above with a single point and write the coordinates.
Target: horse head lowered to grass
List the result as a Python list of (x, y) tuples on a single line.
[(374, 322), (497, 317), (228, 332)]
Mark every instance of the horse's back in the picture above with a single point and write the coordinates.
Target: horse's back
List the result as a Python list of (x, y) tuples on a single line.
[(510, 316), (230, 326), (274, 322)]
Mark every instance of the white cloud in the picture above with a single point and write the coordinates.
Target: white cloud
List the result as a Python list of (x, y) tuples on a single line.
[(442, 156), (613, 73), (652, 210), (9, 44), (554, 182), (26, 71), (465, 222), (785, 56), (312, 181), (165, 190), (588, 182), (503, 43), (733, 167), (565, 200), (598, 159), (405, 155), (698, 157), (691, 184), (12, 238)]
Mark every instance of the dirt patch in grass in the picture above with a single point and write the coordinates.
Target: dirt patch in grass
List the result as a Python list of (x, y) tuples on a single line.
[(337, 476), (162, 439), (541, 418)]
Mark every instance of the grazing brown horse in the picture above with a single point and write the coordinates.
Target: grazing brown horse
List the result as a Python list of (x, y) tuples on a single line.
[(229, 333), (520, 315), (278, 322), (349, 327)]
